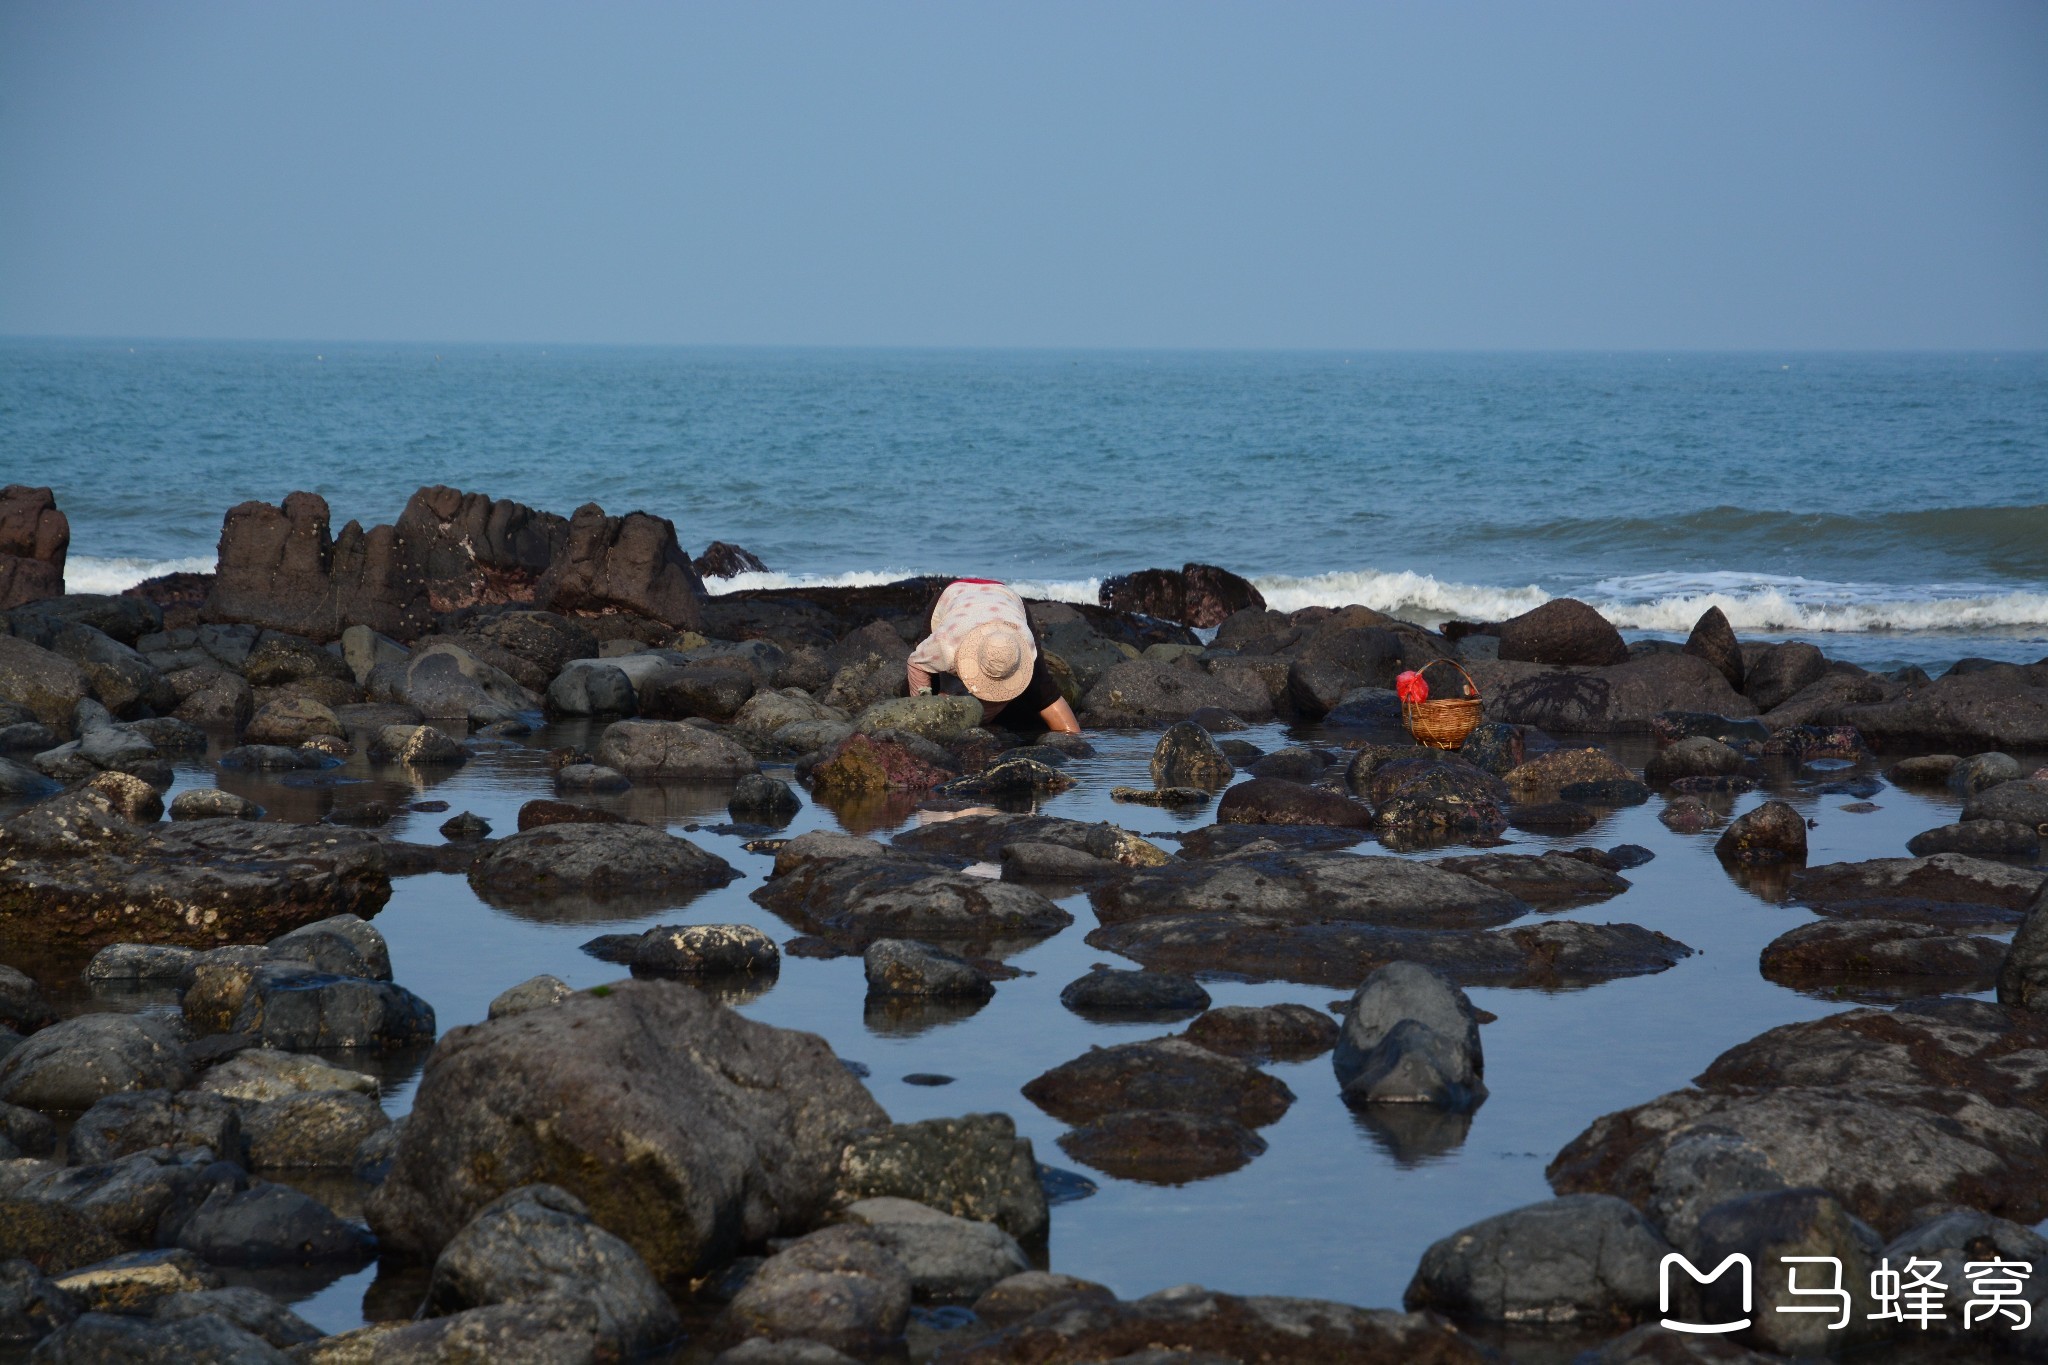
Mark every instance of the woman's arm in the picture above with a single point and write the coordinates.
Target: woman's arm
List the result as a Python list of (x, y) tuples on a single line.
[(919, 680), (1060, 716)]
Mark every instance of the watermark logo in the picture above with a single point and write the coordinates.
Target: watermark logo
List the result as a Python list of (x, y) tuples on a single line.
[(1909, 1295), (1746, 1283)]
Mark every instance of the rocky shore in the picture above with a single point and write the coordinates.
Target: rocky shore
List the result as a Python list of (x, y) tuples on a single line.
[(640, 1171)]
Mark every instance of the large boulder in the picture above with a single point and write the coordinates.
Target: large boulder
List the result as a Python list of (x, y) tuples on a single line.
[(1310, 888), (539, 1243), (34, 537), (2023, 802), (73, 870), (973, 1167), (1146, 691), (1713, 639), (282, 568), (285, 1006), (630, 563), (2023, 977), (1410, 1037), (1940, 888), (1622, 699), (1587, 1260), (1166, 1074), (444, 681), (671, 749), (838, 1287), (1774, 832), (472, 550), (2001, 707), (1562, 631), (48, 684), (71, 1066), (687, 1130), (597, 860), (1783, 671)]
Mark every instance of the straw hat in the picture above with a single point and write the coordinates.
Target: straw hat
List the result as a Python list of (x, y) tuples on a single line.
[(994, 660)]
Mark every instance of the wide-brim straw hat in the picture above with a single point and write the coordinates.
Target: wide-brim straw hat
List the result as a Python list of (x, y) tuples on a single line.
[(994, 661)]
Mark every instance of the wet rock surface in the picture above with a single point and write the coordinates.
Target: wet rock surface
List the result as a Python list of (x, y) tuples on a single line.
[(730, 1152)]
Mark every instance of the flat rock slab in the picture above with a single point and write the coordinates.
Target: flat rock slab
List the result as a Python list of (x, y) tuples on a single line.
[(1312, 888), (1950, 888), (1198, 1324), (689, 1130), (1219, 841), (1163, 1074), (594, 860), (1888, 956), (1884, 1151), (201, 883), (1996, 1053), (852, 892), (982, 838), (1341, 954), (1547, 881)]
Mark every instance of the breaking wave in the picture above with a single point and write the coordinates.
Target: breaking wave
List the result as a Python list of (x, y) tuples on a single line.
[(85, 573)]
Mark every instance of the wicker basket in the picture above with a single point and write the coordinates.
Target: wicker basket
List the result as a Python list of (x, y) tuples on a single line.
[(1443, 723)]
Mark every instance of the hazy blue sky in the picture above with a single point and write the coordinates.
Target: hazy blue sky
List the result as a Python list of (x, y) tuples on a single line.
[(1124, 174)]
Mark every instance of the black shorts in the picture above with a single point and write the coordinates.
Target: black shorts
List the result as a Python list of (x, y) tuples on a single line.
[(1021, 713)]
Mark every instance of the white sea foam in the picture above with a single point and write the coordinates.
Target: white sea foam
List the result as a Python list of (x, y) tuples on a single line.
[(86, 573), (1054, 590), (1407, 595)]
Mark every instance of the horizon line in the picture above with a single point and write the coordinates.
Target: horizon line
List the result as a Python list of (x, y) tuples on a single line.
[(81, 338)]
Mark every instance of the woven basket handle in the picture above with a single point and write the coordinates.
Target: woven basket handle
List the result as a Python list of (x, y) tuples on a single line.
[(1454, 664)]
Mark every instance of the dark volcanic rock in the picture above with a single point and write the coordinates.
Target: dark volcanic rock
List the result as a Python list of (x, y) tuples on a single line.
[(2023, 802), (601, 860), (1622, 699), (538, 1242), (1410, 1037), (285, 1006), (1783, 670), (1547, 881), (898, 967), (1587, 1259), (2023, 979), (472, 550), (1199, 1326), (1562, 631), (34, 538), (1338, 953), (2002, 707), (1146, 691), (1831, 952), (68, 1067), (1979, 839), (723, 560), (1890, 1110), (706, 950), (839, 1287), (1772, 833), (1187, 757), (1275, 801), (268, 1224), (971, 1167), (1693, 756), (1109, 993), (1310, 888), (134, 1121), (1944, 887), (630, 563), (853, 891), (982, 838), (1281, 1033), (1713, 639), (1552, 817), (671, 749), (1165, 1073), (687, 1152)]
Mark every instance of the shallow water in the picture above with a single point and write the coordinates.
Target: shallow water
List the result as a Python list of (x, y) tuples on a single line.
[(1339, 1206)]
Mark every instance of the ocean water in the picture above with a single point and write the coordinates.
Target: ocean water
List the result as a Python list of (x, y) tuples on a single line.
[(1893, 508)]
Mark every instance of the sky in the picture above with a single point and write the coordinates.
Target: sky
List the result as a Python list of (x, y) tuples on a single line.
[(1441, 175)]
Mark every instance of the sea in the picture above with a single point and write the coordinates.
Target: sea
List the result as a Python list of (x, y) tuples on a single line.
[(1892, 508)]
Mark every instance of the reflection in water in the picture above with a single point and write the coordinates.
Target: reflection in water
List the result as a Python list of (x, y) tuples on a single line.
[(1412, 1134), (1770, 882), (582, 908), (897, 1016), (729, 989), (290, 1283)]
